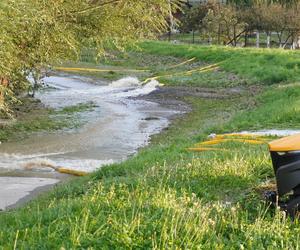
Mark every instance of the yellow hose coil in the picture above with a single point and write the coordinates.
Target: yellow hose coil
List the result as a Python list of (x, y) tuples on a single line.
[(218, 139)]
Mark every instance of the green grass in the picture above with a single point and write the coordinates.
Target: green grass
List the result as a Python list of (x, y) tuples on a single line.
[(81, 107), (162, 66), (212, 79), (266, 66), (278, 108), (167, 197), (238, 66)]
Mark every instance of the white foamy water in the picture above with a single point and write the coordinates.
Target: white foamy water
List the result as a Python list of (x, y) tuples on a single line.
[(126, 82), (115, 129)]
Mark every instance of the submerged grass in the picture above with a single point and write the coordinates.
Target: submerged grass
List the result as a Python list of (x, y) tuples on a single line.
[(81, 107), (169, 198), (34, 117)]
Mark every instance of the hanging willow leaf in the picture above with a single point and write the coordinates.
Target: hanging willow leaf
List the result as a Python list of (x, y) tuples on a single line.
[(36, 33)]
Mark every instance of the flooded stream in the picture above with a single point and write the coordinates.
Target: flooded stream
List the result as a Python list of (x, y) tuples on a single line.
[(115, 129)]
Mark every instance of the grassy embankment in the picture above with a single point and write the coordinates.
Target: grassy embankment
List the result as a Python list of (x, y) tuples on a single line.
[(167, 197), (251, 65), (263, 66)]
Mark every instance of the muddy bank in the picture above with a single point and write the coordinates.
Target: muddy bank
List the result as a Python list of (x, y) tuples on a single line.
[(174, 96)]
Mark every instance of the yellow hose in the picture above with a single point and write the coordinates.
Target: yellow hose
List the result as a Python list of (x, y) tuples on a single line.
[(221, 138), (201, 149), (57, 169), (218, 141), (200, 70), (203, 69), (71, 172), (183, 63), (99, 70), (238, 136)]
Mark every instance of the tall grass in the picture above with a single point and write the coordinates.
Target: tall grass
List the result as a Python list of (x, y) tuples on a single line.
[(267, 66), (167, 197)]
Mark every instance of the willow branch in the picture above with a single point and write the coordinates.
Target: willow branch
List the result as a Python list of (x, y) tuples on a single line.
[(92, 8)]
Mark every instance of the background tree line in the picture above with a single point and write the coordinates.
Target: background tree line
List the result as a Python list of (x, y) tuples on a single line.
[(235, 22)]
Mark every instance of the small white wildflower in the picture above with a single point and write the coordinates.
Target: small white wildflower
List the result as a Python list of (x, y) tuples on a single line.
[(211, 222), (212, 136)]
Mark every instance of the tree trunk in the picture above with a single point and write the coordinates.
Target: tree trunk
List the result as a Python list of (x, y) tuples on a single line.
[(246, 38), (171, 21), (286, 40), (268, 40), (219, 34), (231, 40), (193, 36), (234, 36), (298, 42), (279, 35), (257, 39), (293, 46), (210, 40)]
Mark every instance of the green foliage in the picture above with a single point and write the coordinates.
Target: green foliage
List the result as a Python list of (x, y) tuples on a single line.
[(193, 18), (37, 33)]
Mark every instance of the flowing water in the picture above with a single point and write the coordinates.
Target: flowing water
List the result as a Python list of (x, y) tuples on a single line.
[(115, 129)]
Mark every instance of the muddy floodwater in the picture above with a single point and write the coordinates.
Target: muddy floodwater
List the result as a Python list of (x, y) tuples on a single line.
[(114, 130)]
